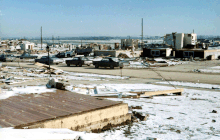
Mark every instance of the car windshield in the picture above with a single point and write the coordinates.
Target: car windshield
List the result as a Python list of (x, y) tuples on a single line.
[(85, 59), (115, 59), (53, 56), (75, 58)]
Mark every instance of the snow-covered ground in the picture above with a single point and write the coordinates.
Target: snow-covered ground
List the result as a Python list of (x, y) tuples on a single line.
[(189, 116), (170, 117), (39, 73), (215, 69), (46, 134), (189, 84), (5, 93)]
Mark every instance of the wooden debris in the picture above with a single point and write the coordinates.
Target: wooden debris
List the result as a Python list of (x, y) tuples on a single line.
[(53, 69), (164, 92)]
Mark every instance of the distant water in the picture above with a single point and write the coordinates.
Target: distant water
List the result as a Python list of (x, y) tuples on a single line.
[(214, 48), (78, 42)]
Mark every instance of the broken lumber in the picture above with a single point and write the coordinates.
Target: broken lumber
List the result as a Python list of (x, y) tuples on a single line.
[(56, 70), (115, 95), (164, 92)]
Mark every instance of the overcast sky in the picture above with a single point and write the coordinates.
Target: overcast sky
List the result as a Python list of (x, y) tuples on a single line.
[(19, 18)]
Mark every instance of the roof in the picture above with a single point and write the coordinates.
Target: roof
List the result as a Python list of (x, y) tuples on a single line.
[(27, 109)]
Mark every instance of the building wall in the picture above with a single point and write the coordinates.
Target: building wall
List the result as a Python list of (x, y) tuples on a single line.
[(162, 52), (27, 46), (179, 40), (215, 53), (169, 39), (105, 53), (182, 40), (125, 43), (190, 39)]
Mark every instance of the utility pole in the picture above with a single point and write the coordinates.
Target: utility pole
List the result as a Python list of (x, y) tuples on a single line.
[(142, 35), (59, 41), (41, 37), (53, 40)]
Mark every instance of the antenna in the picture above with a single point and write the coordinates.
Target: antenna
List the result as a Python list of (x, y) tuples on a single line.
[(41, 37), (193, 30)]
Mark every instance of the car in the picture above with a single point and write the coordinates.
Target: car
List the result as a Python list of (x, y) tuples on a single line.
[(108, 62), (27, 56), (75, 61), (87, 61), (70, 53), (61, 55), (10, 57), (3, 58), (57, 60), (52, 60)]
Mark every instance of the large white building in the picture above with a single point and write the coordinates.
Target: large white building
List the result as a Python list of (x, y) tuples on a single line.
[(27, 46), (181, 40)]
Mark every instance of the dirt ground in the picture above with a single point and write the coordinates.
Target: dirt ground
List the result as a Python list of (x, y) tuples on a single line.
[(182, 72)]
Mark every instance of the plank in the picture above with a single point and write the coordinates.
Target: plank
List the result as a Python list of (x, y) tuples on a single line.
[(154, 93)]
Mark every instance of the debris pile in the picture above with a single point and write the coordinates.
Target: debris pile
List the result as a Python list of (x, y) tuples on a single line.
[(54, 83)]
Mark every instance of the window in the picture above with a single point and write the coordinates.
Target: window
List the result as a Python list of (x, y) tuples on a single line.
[(189, 35), (155, 52), (104, 59), (188, 54), (76, 58)]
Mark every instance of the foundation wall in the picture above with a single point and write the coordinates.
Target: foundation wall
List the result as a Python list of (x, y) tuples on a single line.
[(88, 121)]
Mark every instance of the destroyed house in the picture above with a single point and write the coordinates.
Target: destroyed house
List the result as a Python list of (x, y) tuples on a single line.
[(156, 52)]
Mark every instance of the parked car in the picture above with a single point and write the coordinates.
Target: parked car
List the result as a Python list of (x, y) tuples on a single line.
[(27, 56), (61, 55), (10, 57), (108, 62), (3, 58), (44, 59), (70, 53), (75, 61), (57, 60), (87, 61)]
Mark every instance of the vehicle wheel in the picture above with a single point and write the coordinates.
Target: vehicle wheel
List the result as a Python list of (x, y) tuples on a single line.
[(80, 64), (96, 66), (121, 67), (57, 63), (111, 67), (88, 64), (68, 65)]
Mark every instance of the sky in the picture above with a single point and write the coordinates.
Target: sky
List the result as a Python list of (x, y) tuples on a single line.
[(71, 18)]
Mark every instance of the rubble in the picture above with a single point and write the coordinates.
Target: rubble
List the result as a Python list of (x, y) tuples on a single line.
[(214, 111), (54, 83), (140, 116)]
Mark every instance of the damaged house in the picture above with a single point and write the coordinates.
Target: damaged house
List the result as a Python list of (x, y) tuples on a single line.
[(181, 45)]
